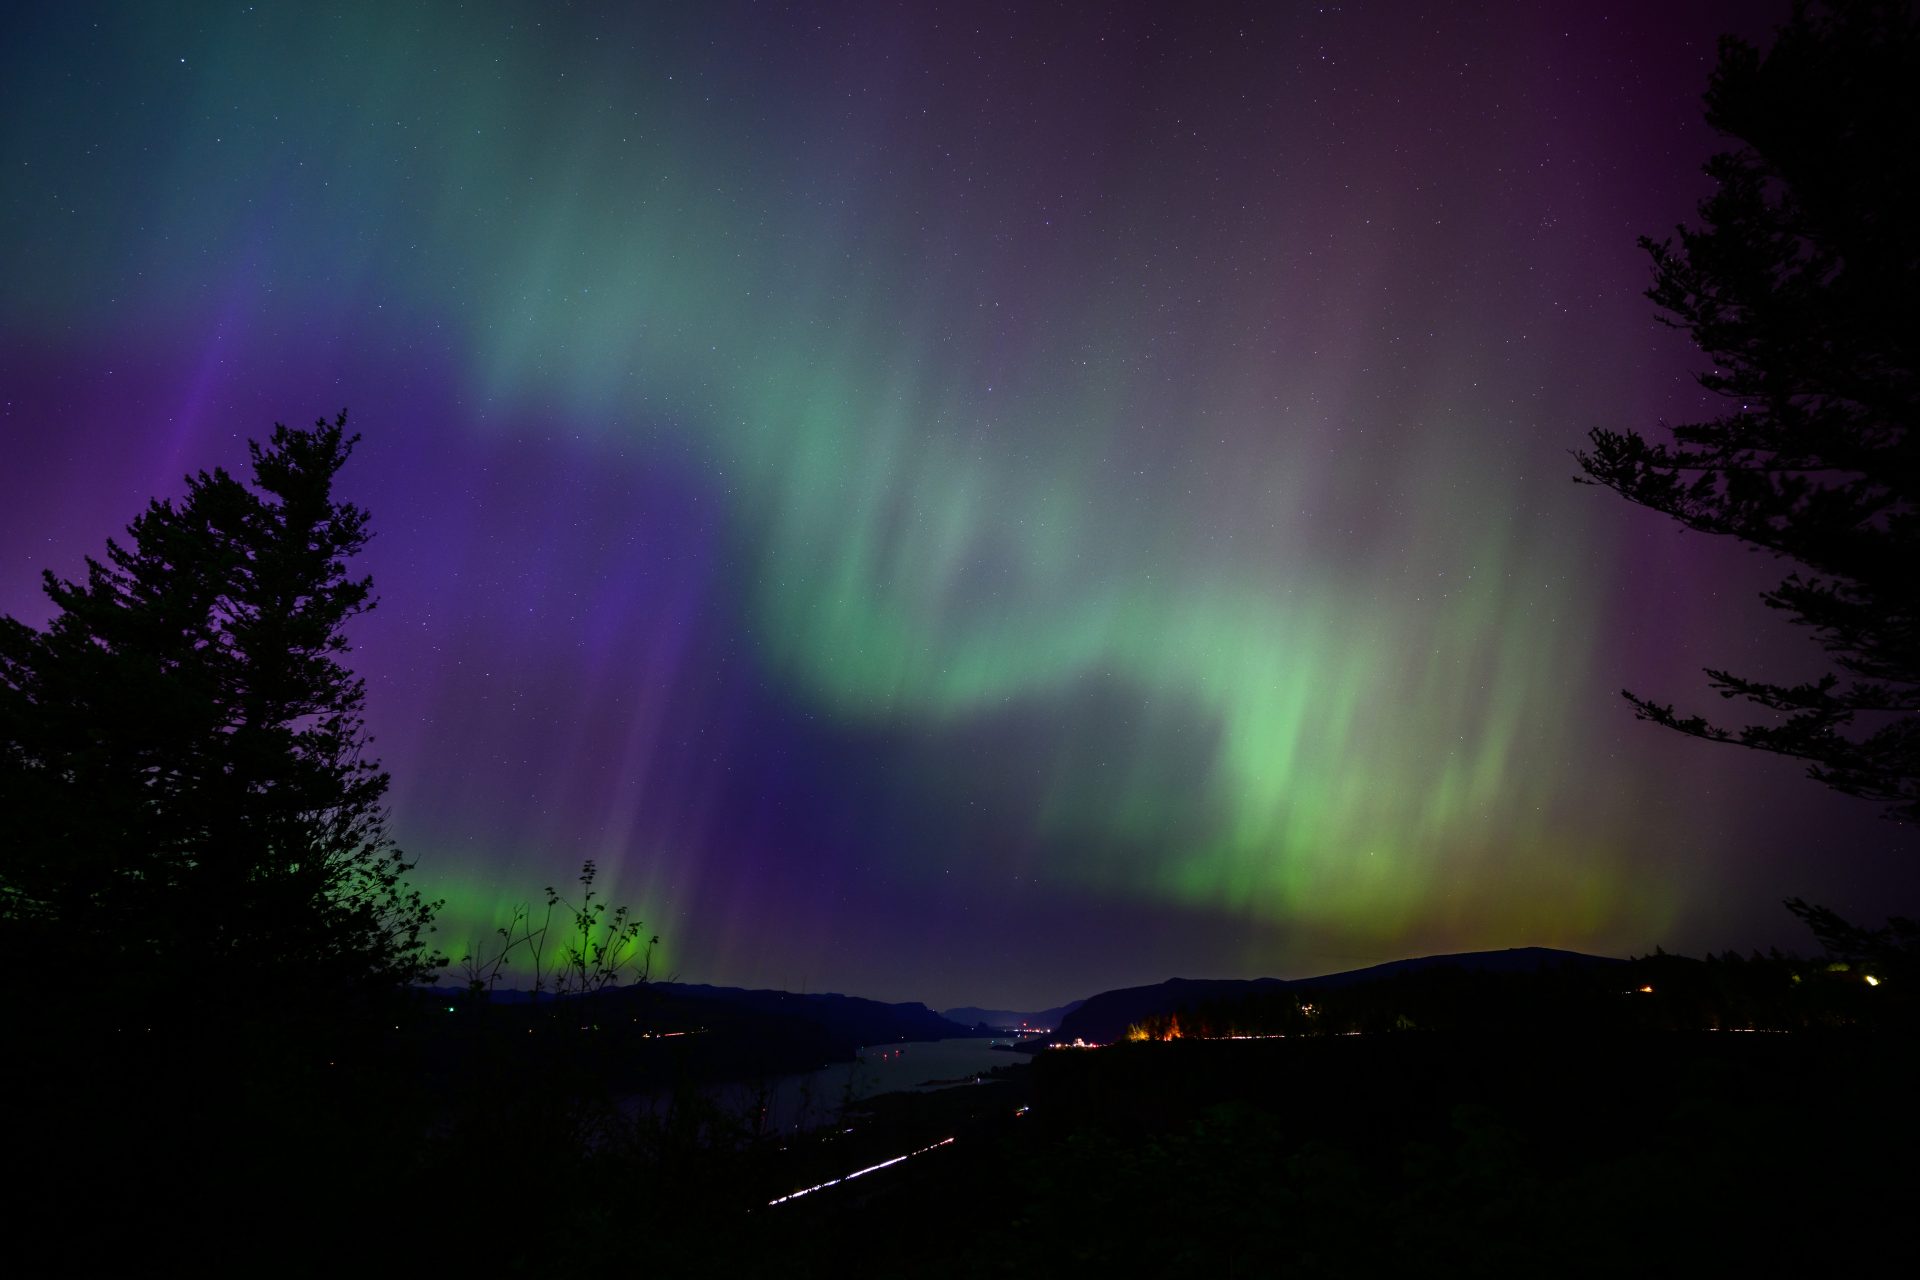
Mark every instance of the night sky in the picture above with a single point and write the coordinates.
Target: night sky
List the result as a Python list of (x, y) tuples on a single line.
[(962, 503)]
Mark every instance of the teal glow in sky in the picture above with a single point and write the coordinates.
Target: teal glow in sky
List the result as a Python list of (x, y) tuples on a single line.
[(945, 502)]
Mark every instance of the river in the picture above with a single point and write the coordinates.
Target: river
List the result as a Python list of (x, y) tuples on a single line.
[(811, 1099)]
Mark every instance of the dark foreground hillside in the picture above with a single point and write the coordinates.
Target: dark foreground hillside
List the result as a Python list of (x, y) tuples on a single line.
[(502, 1148), (1563, 1154)]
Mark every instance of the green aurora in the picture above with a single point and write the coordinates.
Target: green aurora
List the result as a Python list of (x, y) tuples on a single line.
[(856, 470)]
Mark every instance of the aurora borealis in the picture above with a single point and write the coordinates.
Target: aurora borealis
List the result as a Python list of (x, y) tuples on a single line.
[(968, 503)]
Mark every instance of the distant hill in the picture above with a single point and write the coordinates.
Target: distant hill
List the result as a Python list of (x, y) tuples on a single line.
[(652, 1034), (1104, 1018), (848, 1019), (1007, 1019)]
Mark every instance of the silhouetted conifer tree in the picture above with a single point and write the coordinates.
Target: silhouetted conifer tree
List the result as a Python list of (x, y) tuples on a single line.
[(1799, 283), (191, 814)]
